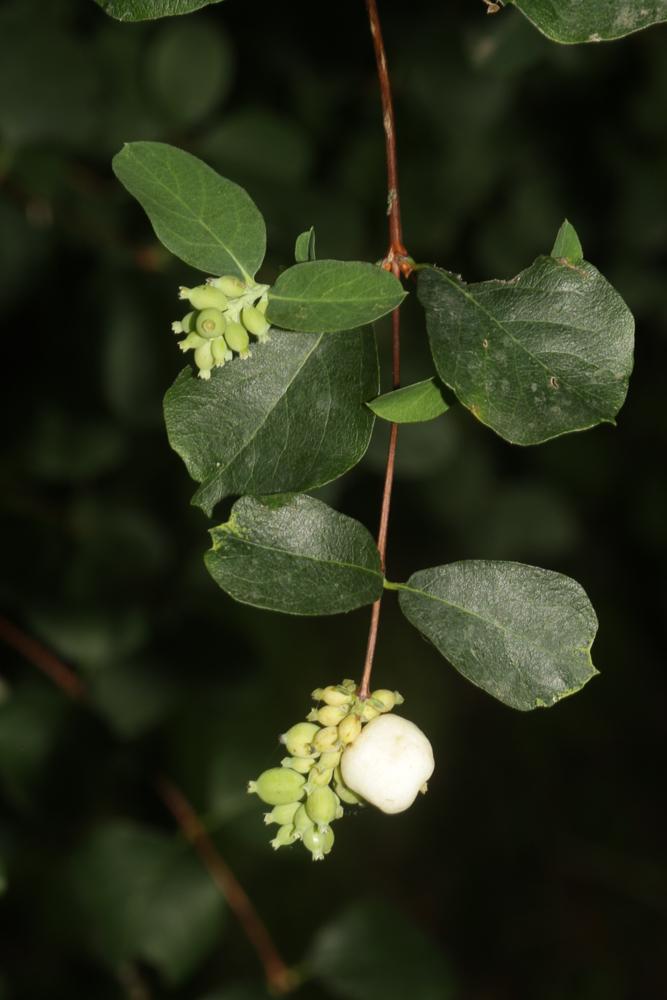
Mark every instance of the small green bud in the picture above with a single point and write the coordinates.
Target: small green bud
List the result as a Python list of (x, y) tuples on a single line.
[(334, 696), (302, 821), (255, 322), (229, 285), (300, 764), (278, 786), (349, 729), (286, 835), (331, 758), (349, 685), (316, 695), (185, 325), (204, 297), (385, 700), (282, 814), (204, 359), (220, 351), (210, 323), (237, 338), (321, 805), (331, 715), (299, 738), (319, 841), (326, 738), (191, 342)]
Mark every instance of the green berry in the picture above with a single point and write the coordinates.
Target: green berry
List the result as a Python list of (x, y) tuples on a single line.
[(321, 805), (255, 322), (286, 835), (220, 351), (319, 841), (331, 715), (210, 323), (300, 764), (237, 338), (282, 814), (319, 776), (229, 285), (330, 758), (334, 696), (302, 821), (191, 342), (385, 700), (349, 729), (368, 711), (278, 785), (299, 738), (204, 359), (343, 792), (204, 297), (326, 738), (185, 325)]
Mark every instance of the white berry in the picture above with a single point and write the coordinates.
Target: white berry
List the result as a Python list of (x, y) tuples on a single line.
[(389, 763)]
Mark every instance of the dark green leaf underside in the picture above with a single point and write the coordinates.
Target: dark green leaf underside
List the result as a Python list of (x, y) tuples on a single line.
[(288, 419), (146, 10), (572, 21), (544, 354), (411, 404), (520, 633), (296, 555)]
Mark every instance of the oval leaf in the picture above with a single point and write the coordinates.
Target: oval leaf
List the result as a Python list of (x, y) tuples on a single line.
[(572, 21), (323, 296), (544, 354), (412, 404), (289, 418), (146, 10), (202, 218), (296, 555), (520, 633)]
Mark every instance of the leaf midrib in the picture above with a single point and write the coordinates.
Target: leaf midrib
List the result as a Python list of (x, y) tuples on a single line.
[(299, 555)]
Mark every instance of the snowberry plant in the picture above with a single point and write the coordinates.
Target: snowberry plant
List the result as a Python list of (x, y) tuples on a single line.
[(280, 396)]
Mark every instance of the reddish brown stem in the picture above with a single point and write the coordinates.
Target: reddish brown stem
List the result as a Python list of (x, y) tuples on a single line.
[(397, 261), (42, 658)]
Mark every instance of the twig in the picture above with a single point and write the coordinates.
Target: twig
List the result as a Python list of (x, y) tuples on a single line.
[(398, 262), (42, 658)]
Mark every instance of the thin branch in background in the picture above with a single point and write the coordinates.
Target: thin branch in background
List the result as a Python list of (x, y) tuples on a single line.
[(42, 658)]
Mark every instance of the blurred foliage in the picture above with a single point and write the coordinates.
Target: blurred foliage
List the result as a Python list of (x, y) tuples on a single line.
[(536, 866)]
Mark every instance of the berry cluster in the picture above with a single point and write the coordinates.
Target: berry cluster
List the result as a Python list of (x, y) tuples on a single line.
[(225, 311), (304, 803)]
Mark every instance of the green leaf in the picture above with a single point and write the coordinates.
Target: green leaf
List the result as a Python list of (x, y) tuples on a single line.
[(567, 246), (520, 633), (296, 555), (201, 217), (413, 404), (572, 21), (290, 418), (544, 354), (324, 296), (372, 951), (139, 893), (304, 248), (145, 10)]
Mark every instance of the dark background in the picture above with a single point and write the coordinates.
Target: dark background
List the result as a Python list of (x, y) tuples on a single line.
[(536, 866)]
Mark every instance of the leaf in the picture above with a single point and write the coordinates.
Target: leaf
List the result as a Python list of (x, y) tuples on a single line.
[(203, 218), (572, 21), (520, 633), (296, 555), (372, 951), (290, 418), (544, 354), (145, 10), (567, 246), (139, 894), (304, 248), (411, 404), (325, 296)]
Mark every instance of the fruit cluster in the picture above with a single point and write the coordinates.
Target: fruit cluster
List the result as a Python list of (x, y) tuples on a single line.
[(225, 311), (304, 802)]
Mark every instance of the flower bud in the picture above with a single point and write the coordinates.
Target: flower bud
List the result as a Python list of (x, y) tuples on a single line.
[(229, 285), (191, 342), (204, 297), (319, 841), (349, 685), (349, 729), (278, 785), (286, 835), (282, 814), (300, 764), (220, 351), (299, 738), (204, 359), (237, 338), (255, 322), (210, 323), (334, 696), (331, 715), (185, 325), (321, 805), (326, 738)]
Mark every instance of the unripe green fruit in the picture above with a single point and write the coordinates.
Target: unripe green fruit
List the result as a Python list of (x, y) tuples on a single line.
[(300, 764), (319, 841), (210, 323), (220, 351), (278, 786), (326, 738), (330, 758), (319, 776), (343, 792), (349, 685), (321, 805), (262, 305), (349, 729), (204, 297), (237, 338), (185, 325), (302, 821), (229, 285), (299, 738), (332, 696), (282, 814), (191, 342), (286, 835), (204, 359), (386, 700), (331, 715), (368, 711), (255, 322)]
